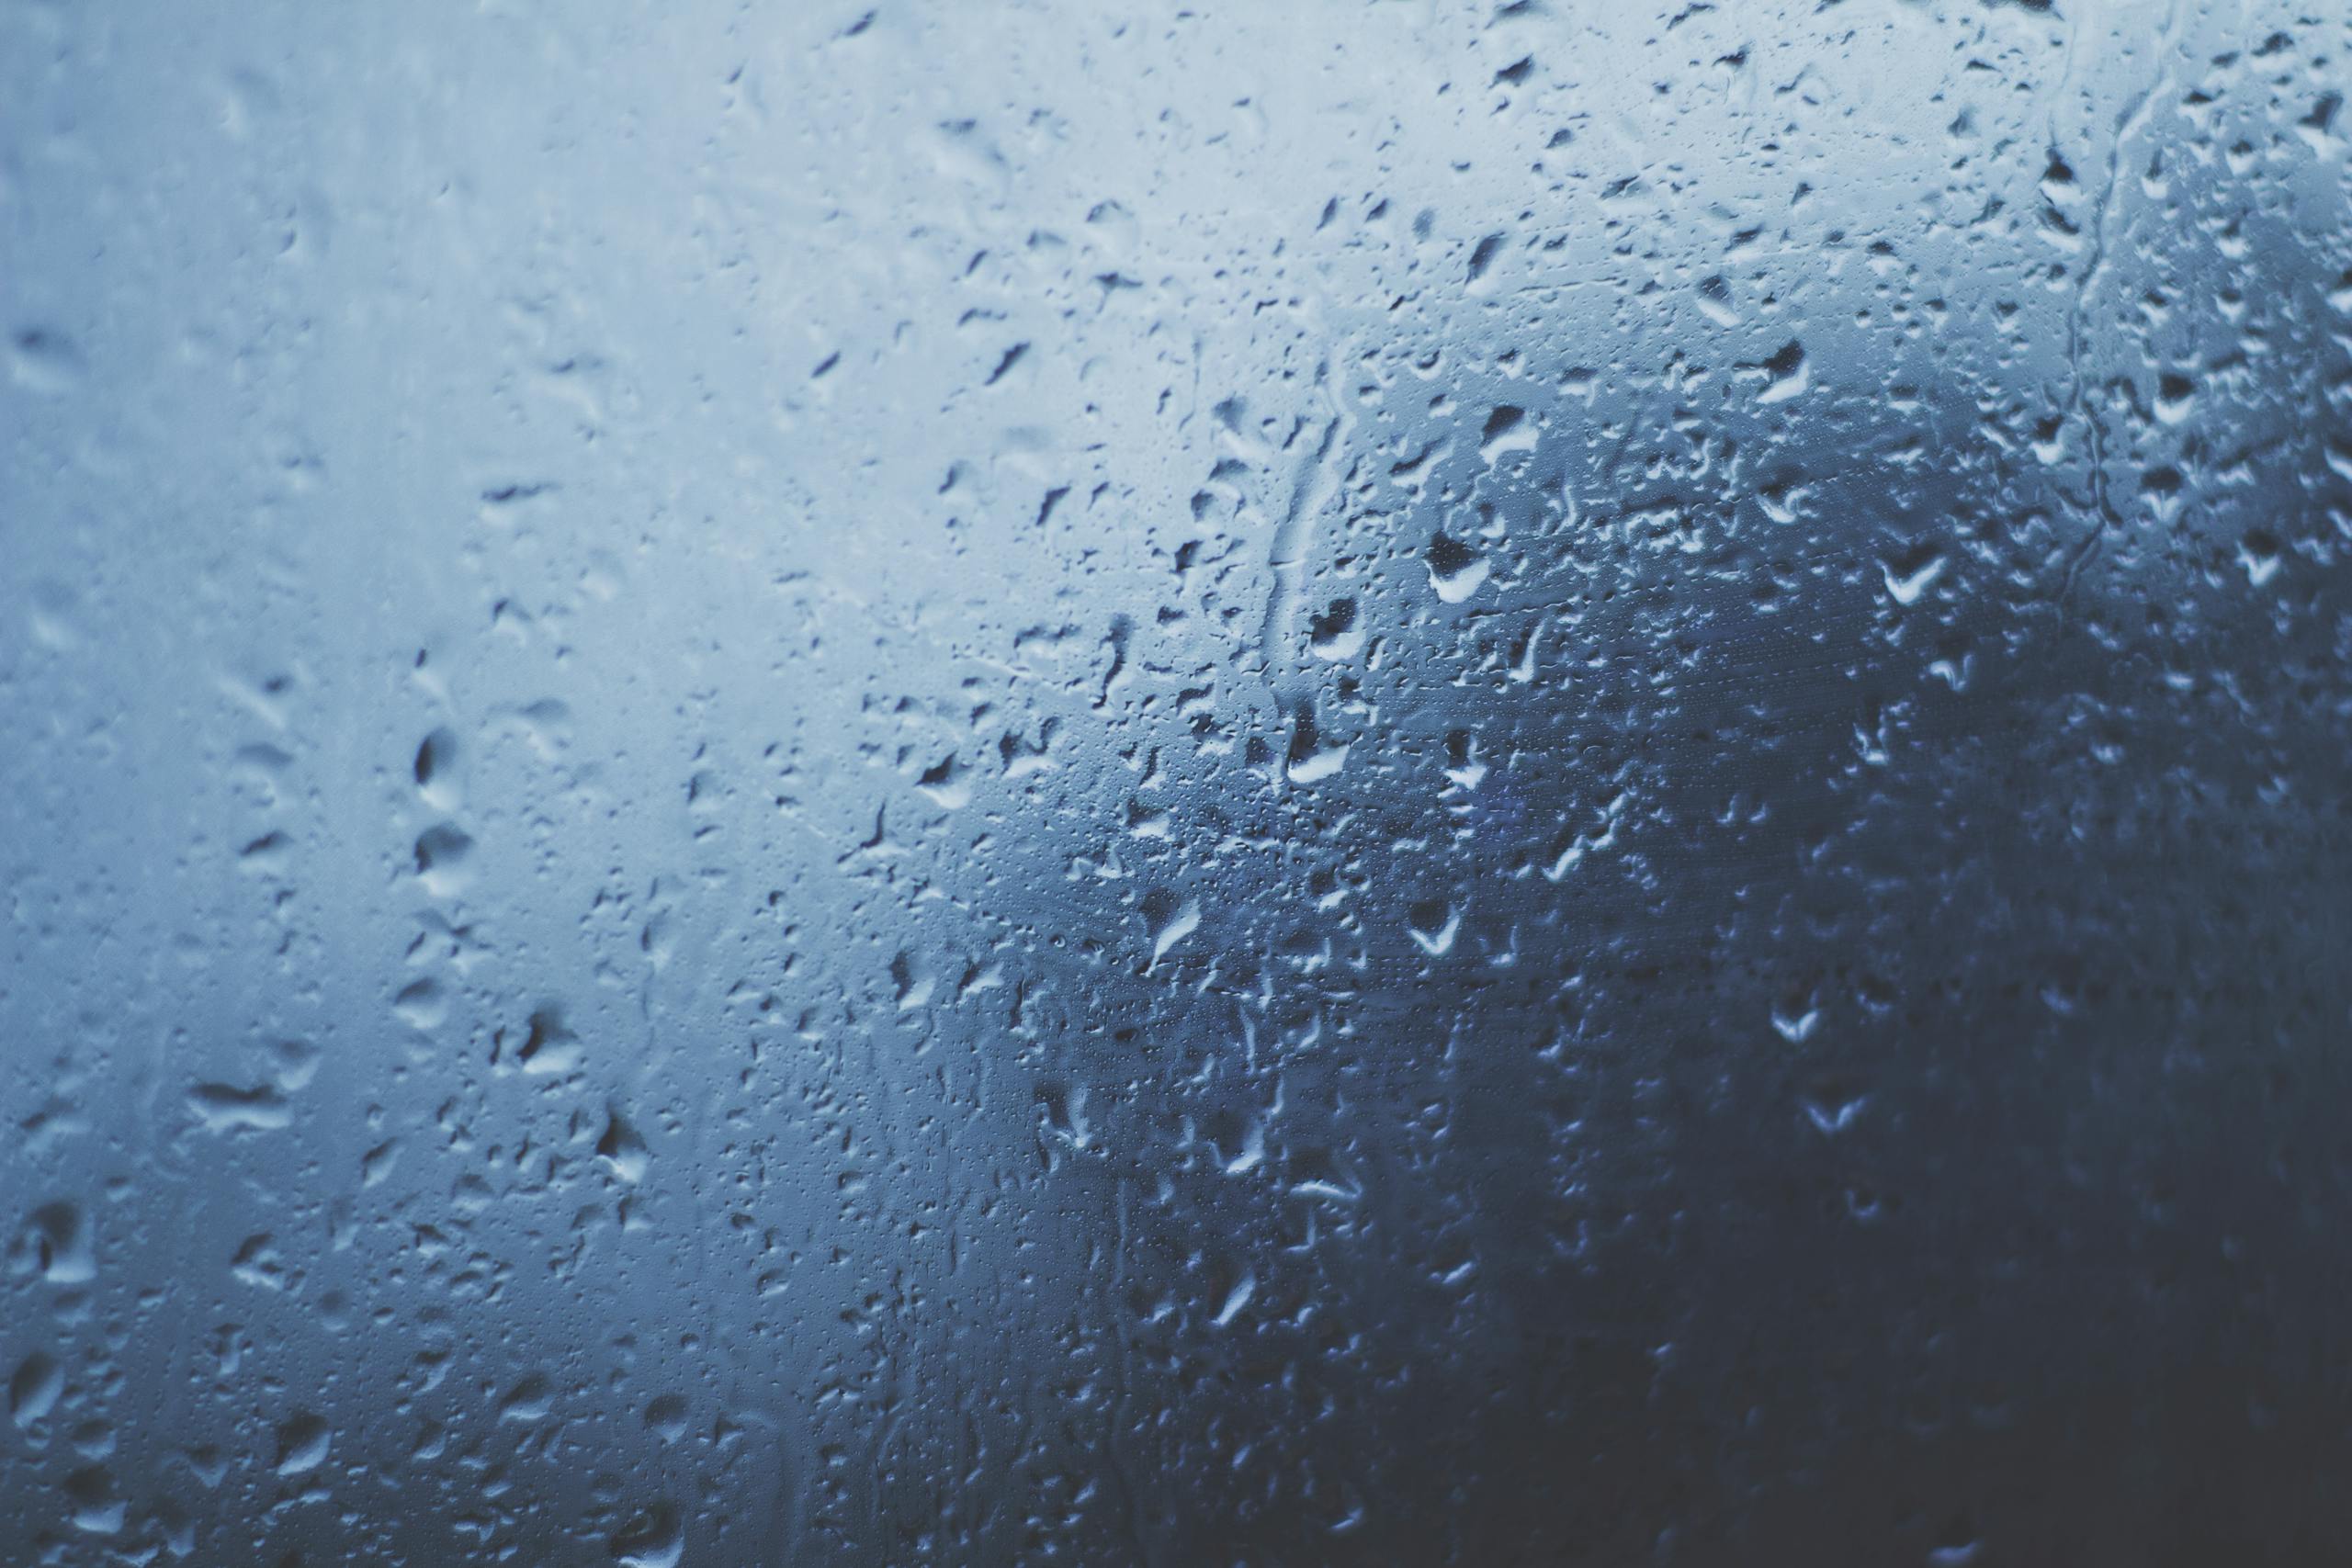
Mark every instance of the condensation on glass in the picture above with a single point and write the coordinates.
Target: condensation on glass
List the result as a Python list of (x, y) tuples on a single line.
[(1397, 782)]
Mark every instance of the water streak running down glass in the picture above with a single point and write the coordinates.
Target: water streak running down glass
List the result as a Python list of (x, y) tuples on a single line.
[(1403, 783)]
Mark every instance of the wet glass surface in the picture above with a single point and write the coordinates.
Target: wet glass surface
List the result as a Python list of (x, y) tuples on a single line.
[(1411, 783)]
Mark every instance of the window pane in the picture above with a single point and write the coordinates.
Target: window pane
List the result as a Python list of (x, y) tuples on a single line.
[(1404, 783)]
